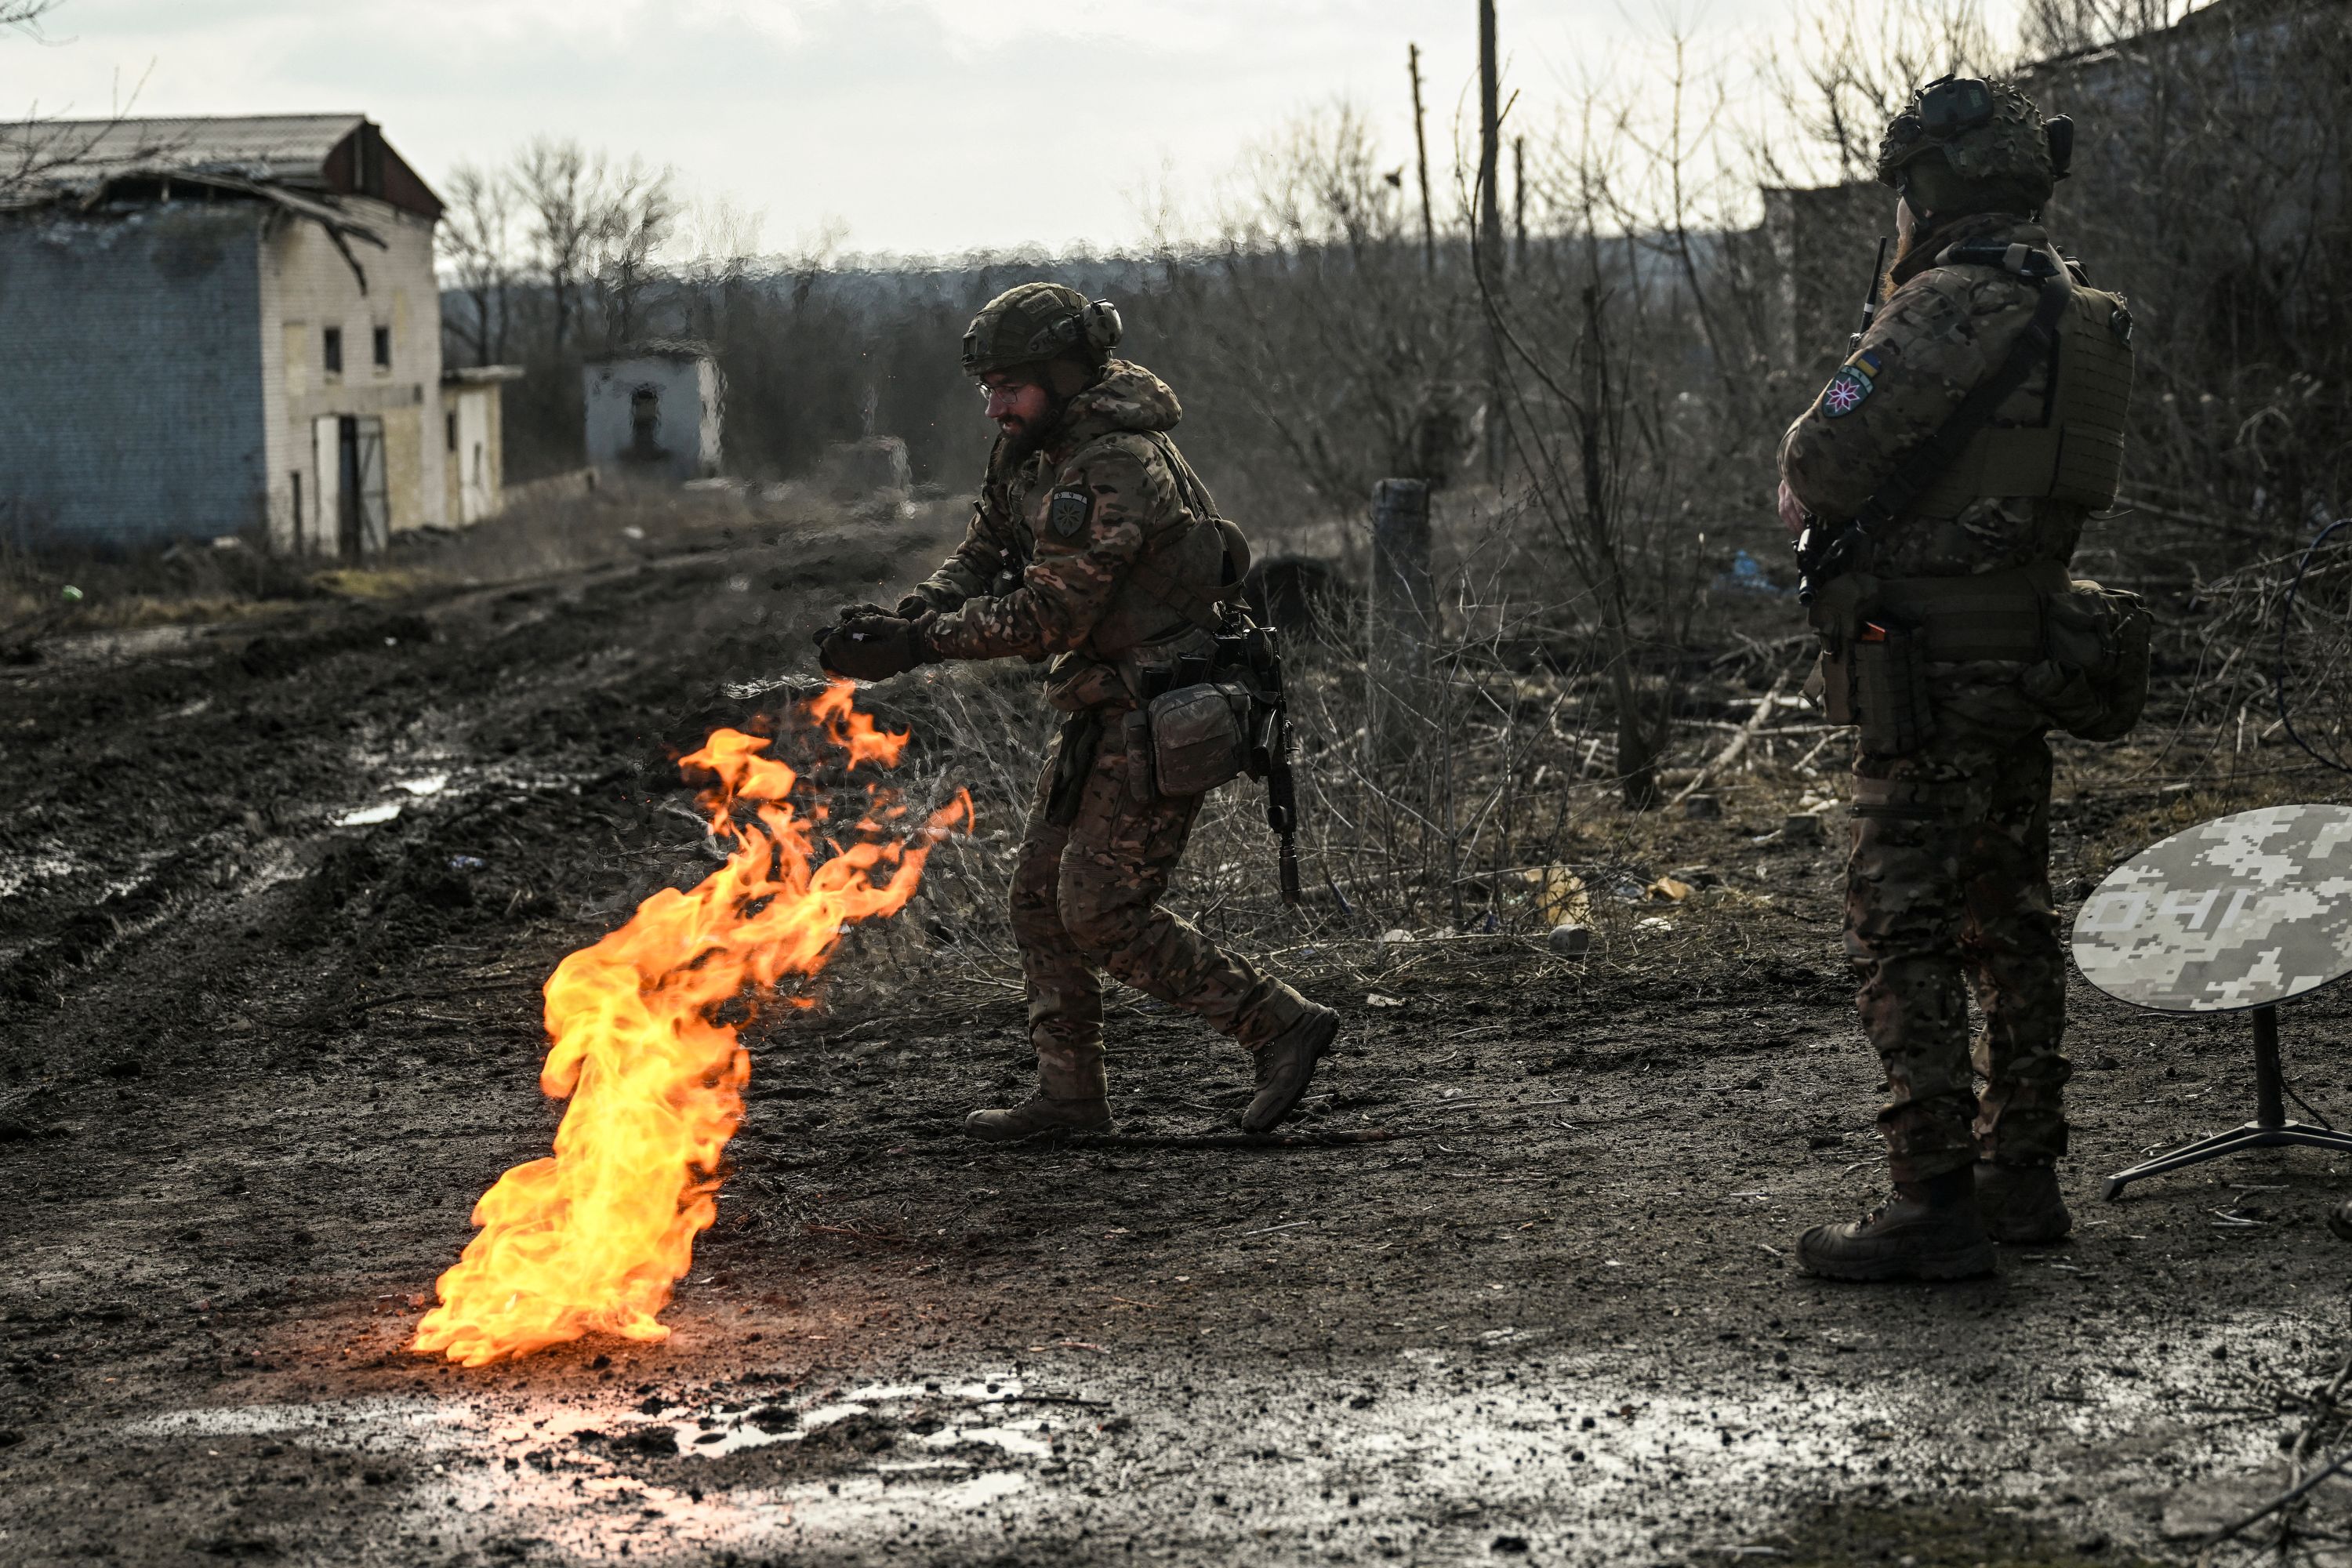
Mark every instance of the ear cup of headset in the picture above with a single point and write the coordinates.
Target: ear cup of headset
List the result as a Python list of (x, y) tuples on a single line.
[(1103, 327)]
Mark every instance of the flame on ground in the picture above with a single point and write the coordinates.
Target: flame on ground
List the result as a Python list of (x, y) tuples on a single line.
[(591, 1240)]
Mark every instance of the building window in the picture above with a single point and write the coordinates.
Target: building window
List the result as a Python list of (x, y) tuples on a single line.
[(449, 430), (384, 348), (296, 477), (333, 344)]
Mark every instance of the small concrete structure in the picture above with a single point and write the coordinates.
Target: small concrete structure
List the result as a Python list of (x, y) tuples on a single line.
[(653, 412), (472, 433), (218, 326)]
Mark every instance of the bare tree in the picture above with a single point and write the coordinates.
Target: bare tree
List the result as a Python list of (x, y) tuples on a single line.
[(560, 186), (25, 16), (636, 211), (476, 236), (1323, 314)]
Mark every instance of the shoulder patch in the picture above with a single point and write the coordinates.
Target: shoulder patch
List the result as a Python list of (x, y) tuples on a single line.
[(1066, 513), (1845, 392)]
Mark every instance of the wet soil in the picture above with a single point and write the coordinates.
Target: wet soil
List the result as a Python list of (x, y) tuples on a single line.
[(265, 1041)]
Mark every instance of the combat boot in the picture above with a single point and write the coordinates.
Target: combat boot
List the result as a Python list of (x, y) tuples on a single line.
[(2019, 1204), (1072, 1097), (1927, 1230), (1285, 1063)]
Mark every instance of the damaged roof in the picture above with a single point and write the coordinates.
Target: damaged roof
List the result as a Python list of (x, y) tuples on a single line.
[(318, 155)]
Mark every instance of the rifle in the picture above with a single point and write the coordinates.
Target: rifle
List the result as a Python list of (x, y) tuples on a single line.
[(1819, 559), (1270, 750)]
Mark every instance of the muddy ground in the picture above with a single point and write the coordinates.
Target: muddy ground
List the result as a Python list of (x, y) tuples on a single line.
[(257, 1065)]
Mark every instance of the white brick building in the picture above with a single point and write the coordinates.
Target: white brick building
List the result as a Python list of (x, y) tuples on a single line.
[(223, 326), (654, 411)]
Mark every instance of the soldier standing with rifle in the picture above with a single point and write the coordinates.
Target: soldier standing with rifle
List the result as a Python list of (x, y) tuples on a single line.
[(1095, 544), (1940, 484)]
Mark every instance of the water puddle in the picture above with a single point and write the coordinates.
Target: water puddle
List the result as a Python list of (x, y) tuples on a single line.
[(1592, 1454)]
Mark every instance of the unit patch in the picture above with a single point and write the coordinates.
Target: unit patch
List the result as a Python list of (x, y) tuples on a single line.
[(1848, 387), (1066, 513)]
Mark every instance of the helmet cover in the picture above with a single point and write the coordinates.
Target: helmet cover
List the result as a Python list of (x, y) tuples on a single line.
[(1031, 323)]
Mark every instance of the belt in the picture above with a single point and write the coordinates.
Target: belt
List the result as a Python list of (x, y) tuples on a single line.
[(1987, 616)]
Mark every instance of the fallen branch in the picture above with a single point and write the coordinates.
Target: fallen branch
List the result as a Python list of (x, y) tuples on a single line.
[(2291, 1494), (1730, 753)]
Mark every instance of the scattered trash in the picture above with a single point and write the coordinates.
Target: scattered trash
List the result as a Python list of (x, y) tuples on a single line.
[(1747, 574), (1702, 807), (72, 595), (1379, 999), (1395, 935), (1697, 876), (1559, 895), (1668, 890), (1801, 828), (467, 863), (1569, 940), (431, 784), (1657, 922), (369, 815), (633, 531)]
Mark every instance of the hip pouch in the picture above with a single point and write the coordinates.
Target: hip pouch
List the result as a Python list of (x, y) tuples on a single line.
[(2093, 679), (1887, 682), (1074, 763), (1197, 737)]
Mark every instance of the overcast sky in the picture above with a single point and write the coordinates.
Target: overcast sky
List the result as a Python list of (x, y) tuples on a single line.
[(916, 126)]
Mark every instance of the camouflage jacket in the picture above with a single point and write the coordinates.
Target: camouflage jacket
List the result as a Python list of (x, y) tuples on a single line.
[(1941, 332), (1076, 519)]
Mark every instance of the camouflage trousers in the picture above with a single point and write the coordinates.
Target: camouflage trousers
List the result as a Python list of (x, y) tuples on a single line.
[(1086, 901), (1947, 889)]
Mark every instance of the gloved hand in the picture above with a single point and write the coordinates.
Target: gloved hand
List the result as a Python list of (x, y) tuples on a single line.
[(913, 607), (875, 646)]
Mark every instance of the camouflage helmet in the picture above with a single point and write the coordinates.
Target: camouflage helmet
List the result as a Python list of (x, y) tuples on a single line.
[(1033, 322), (1963, 145)]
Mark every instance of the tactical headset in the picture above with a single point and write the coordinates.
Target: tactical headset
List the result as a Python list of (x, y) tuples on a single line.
[(1096, 326)]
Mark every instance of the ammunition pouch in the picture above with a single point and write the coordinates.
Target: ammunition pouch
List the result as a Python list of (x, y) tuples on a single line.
[(1198, 738), (1878, 682), (2094, 680)]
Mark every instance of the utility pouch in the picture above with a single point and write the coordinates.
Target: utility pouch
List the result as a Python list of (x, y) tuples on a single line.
[(1197, 742), (2094, 683), (1833, 684), (1074, 763), (1135, 731), (1889, 688)]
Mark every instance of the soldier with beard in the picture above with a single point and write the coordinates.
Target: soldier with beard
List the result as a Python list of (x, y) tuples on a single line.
[(1095, 545), (1941, 481)]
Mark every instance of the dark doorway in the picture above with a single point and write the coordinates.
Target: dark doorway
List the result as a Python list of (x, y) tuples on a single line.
[(644, 427), (364, 526)]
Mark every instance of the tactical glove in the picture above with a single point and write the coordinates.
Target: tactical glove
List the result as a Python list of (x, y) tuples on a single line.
[(874, 648)]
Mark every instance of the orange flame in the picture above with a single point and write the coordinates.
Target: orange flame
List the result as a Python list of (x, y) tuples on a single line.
[(592, 1240)]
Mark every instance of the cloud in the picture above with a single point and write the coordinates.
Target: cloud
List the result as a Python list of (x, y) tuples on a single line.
[(925, 125)]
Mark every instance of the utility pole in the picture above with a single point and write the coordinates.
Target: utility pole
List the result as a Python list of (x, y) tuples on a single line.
[(1421, 155), (1490, 228)]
